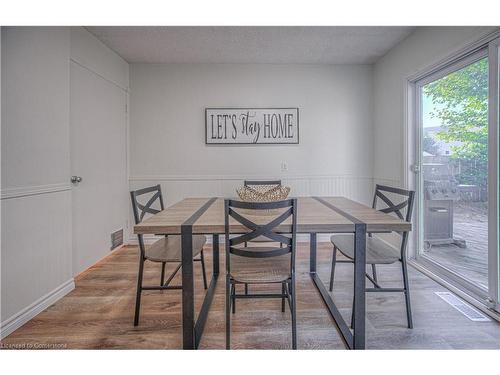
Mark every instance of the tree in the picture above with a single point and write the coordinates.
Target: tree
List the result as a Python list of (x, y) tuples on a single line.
[(462, 101)]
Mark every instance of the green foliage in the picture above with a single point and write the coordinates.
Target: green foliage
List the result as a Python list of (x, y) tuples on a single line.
[(462, 101)]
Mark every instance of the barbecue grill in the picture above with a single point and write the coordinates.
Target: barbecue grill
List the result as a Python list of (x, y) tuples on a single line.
[(440, 193)]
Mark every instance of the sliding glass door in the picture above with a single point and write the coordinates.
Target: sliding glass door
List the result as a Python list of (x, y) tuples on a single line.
[(494, 172), (457, 157)]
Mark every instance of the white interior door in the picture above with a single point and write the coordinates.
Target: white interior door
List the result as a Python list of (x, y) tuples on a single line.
[(98, 156)]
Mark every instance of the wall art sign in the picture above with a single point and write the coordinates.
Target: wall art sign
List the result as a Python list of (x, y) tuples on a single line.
[(251, 126)]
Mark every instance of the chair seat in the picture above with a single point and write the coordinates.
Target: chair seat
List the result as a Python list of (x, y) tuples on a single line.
[(377, 251), (260, 270), (168, 249)]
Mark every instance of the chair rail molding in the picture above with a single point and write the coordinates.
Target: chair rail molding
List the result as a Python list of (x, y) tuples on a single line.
[(284, 177), (25, 191)]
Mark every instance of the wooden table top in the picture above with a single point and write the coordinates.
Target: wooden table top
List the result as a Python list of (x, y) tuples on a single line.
[(314, 215)]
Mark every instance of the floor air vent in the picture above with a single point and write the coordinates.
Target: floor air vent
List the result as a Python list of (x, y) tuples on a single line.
[(116, 239), (464, 308)]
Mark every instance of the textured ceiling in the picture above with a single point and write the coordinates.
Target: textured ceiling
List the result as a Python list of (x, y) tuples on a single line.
[(231, 44)]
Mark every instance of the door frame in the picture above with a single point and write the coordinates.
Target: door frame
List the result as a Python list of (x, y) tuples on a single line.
[(493, 171), (412, 134), (424, 260)]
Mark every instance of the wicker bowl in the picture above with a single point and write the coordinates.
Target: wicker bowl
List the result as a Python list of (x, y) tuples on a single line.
[(263, 193)]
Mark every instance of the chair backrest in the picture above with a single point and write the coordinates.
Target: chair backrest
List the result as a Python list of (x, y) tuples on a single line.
[(396, 208), (261, 182), (406, 198), (152, 194), (285, 209)]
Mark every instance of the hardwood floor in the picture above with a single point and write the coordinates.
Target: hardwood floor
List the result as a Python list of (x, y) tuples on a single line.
[(98, 314)]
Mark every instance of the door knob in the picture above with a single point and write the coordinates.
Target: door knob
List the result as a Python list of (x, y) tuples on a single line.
[(76, 179)]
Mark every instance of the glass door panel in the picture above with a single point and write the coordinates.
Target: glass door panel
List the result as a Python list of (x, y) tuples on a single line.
[(454, 170)]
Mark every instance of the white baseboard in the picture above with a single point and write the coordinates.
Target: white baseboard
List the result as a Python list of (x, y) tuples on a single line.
[(25, 315)]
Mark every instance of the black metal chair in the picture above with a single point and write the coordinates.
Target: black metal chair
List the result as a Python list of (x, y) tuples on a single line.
[(379, 252), (166, 250), (271, 184), (261, 265)]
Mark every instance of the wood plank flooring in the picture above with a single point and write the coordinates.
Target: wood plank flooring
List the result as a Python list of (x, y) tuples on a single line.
[(98, 314)]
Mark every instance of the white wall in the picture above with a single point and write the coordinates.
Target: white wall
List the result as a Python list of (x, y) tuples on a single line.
[(35, 81), (36, 204), (36, 197), (422, 48), (167, 128), (90, 52)]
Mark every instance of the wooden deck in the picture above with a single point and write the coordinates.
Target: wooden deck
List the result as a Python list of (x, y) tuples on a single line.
[(98, 314), (470, 262)]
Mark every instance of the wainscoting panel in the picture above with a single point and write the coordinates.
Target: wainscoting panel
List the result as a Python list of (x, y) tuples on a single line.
[(36, 253), (176, 188), (388, 182)]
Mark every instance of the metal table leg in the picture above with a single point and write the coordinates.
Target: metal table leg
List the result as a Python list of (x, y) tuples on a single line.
[(215, 259), (207, 301), (355, 339), (312, 254), (359, 286), (191, 331), (188, 341)]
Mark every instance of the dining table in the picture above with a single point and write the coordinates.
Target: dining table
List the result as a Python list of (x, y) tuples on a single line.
[(315, 215)]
